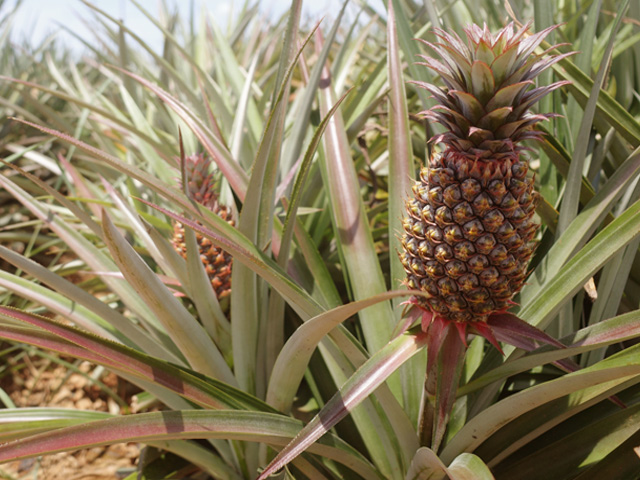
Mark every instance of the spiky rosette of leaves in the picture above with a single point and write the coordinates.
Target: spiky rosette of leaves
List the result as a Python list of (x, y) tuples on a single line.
[(489, 89), (201, 188)]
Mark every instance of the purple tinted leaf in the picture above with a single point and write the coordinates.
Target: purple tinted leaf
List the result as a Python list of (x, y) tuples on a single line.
[(366, 379), (448, 371), (271, 428)]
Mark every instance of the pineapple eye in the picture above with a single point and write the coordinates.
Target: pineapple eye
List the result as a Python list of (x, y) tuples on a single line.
[(411, 282), (452, 195), (424, 175), (519, 169), (527, 199), (497, 190), (478, 263), (517, 187), (425, 250), (435, 195), (508, 203), (486, 243), (414, 208), (455, 268), (500, 287), (437, 305), (478, 295), (407, 225), (470, 189), (443, 216), (421, 192), (518, 216), (427, 214), (410, 245), (434, 234), (508, 265), (406, 259), (498, 254), (473, 229), (429, 286), (462, 316), (514, 242), (505, 231), (456, 302), (448, 176), (446, 286), (481, 204), (468, 282), (453, 234), (525, 251), (493, 220), (489, 276), (417, 229), (464, 250), (443, 253), (433, 269), (483, 308), (462, 212), (418, 268)]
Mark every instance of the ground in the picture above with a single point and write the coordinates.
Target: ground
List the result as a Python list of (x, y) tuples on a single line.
[(34, 381)]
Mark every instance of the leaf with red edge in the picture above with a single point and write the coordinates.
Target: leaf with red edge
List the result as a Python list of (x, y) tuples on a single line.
[(271, 428), (364, 382), (68, 340), (448, 370)]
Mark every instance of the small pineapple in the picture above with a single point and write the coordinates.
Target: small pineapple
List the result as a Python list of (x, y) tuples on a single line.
[(200, 186), (469, 233)]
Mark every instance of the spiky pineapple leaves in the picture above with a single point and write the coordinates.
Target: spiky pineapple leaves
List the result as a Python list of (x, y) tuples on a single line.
[(359, 386), (271, 428)]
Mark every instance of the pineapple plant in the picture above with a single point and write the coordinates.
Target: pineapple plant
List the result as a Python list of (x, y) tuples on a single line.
[(469, 233), (474, 410), (201, 189)]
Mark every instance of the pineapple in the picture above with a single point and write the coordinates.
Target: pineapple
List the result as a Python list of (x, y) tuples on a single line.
[(200, 187), (469, 233)]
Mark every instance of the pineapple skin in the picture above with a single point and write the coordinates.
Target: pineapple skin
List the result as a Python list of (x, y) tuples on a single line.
[(469, 230), (201, 188), (468, 236)]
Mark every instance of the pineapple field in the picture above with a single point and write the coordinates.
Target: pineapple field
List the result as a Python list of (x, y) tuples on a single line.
[(397, 242)]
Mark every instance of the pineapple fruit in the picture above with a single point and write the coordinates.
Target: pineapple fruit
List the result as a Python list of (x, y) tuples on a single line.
[(469, 233), (201, 188)]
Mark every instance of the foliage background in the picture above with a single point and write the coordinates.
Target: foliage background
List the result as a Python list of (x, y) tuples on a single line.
[(103, 144)]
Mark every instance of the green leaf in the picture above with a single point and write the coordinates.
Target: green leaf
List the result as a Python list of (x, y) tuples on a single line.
[(270, 428), (350, 225), (18, 423), (296, 353), (203, 391), (185, 331), (541, 309), (427, 466), (601, 377), (368, 377), (571, 196)]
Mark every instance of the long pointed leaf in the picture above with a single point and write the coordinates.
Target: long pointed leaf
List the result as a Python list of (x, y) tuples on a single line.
[(157, 426), (368, 377)]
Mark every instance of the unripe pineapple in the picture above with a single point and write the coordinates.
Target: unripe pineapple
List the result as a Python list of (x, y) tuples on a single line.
[(201, 188), (468, 236)]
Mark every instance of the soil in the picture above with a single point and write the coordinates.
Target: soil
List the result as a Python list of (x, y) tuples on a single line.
[(34, 381)]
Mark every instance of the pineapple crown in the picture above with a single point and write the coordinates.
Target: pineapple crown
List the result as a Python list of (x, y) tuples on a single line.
[(489, 89), (200, 184)]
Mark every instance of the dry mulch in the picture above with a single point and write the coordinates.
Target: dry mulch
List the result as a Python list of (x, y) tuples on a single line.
[(39, 382)]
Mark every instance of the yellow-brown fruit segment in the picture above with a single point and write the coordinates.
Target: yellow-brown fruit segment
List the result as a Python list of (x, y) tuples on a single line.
[(201, 188), (468, 236)]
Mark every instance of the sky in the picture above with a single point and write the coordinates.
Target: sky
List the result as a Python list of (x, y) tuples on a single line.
[(39, 18)]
